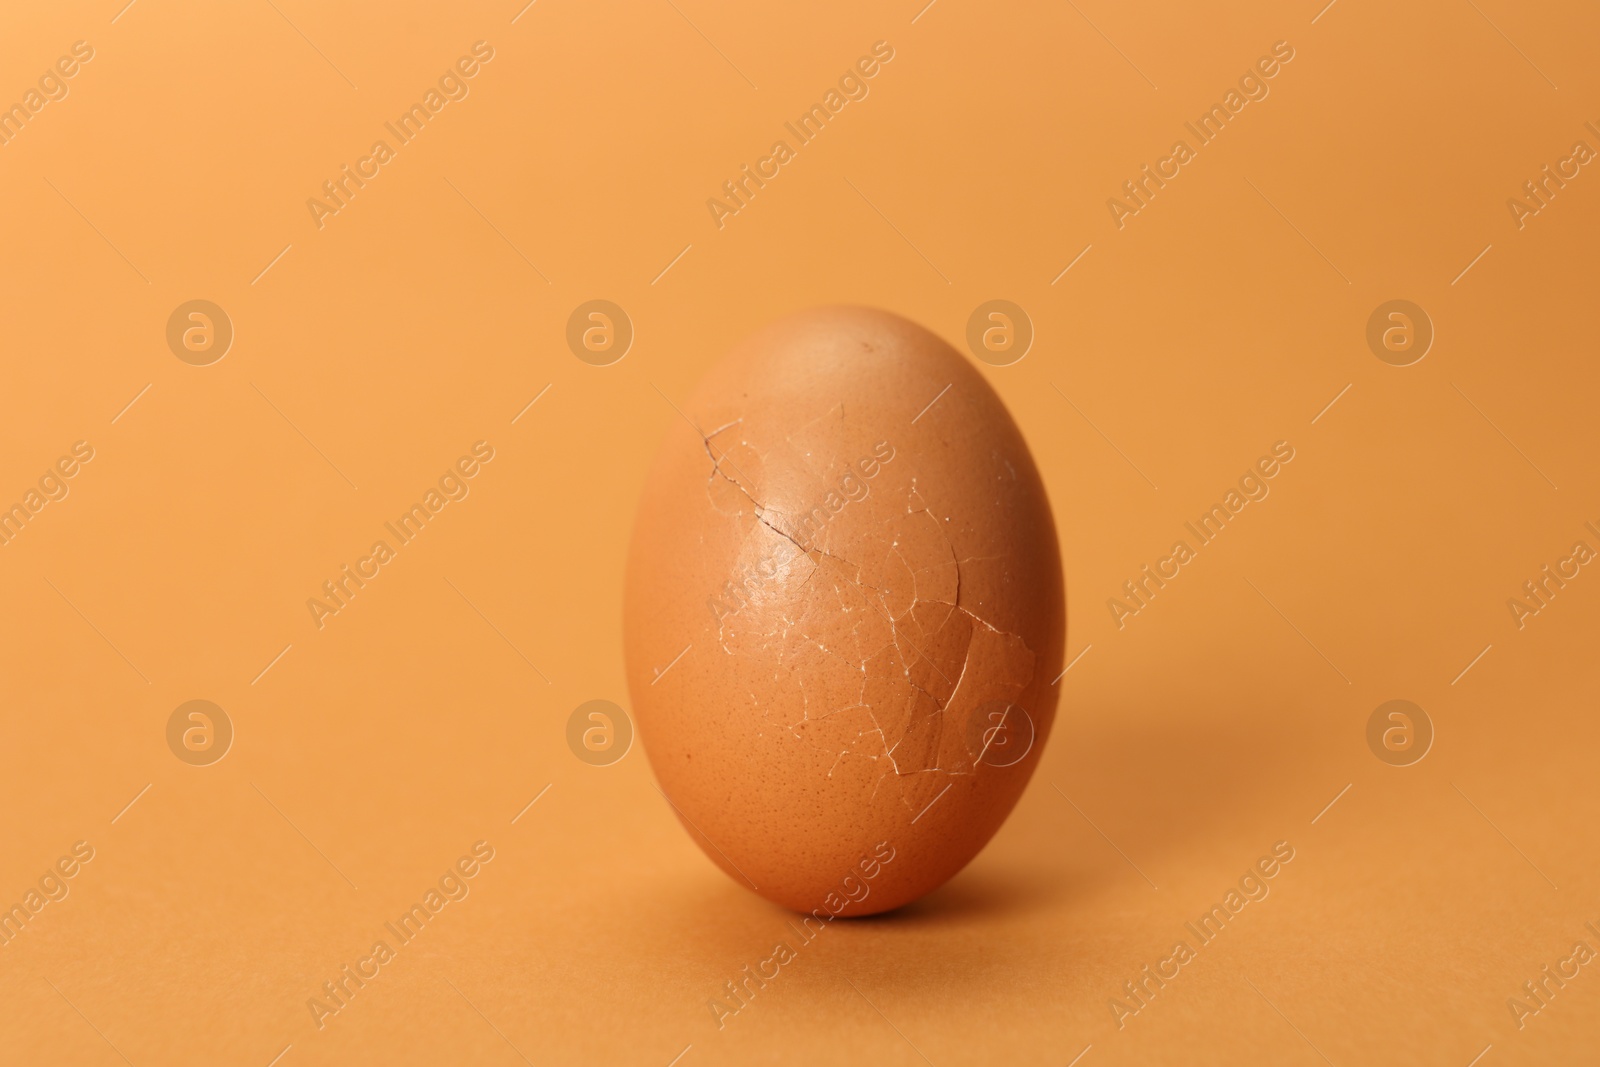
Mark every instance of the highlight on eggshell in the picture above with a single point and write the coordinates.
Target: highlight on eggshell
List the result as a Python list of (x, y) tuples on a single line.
[(854, 545)]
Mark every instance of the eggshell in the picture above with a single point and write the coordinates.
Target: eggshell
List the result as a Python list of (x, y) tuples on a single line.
[(843, 612)]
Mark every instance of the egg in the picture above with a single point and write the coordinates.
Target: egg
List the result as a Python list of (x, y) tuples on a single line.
[(843, 613)]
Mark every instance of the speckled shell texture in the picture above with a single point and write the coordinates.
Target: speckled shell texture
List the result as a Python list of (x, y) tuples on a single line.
[(861, 581)]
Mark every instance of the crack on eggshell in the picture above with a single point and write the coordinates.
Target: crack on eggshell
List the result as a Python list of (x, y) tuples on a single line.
[(839, 617)]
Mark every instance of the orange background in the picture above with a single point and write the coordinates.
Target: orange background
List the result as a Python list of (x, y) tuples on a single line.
[(424, 316)]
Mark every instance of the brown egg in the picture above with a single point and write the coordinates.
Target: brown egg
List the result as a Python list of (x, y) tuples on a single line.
[(843, 613)]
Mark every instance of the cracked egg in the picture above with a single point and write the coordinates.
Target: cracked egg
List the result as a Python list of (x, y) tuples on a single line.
[(843, 613)]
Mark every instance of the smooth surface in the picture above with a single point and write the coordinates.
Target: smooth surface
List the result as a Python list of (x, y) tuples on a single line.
[(1226, 716)]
